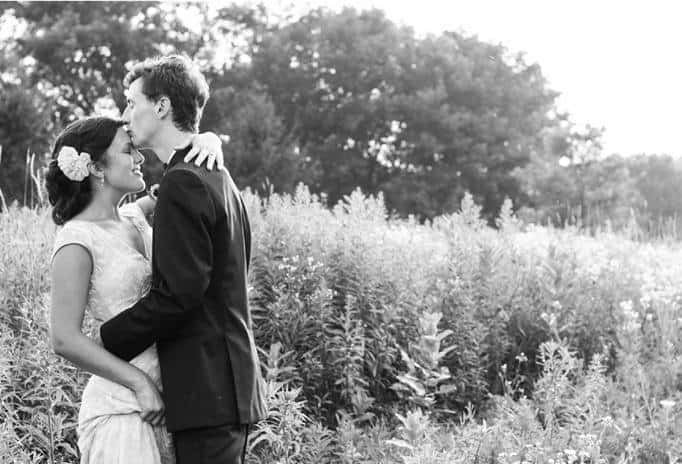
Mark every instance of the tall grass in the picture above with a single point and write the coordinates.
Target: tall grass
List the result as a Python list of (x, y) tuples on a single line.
[(383, 340)]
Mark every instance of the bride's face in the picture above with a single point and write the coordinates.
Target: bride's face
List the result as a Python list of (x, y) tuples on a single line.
[(123, 169)]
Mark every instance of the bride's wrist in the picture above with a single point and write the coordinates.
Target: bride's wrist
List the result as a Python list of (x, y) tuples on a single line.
[(139, 380)]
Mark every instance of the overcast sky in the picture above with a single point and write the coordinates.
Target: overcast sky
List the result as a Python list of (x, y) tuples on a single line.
[(616, 64)]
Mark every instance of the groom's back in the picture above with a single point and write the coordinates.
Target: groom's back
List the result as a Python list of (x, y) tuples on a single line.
[(216, 347)]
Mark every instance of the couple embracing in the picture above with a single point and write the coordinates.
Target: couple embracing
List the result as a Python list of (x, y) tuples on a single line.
[(176, 377)]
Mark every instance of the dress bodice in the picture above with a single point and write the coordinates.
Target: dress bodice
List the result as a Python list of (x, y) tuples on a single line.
[(120, 274)]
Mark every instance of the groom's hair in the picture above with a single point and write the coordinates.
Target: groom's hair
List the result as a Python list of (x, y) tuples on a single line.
[(177, 78)]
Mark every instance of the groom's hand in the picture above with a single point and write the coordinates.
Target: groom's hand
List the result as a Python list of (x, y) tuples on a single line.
[(151, 404)]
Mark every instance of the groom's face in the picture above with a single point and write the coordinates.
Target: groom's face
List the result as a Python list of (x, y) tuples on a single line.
[(141, 115)]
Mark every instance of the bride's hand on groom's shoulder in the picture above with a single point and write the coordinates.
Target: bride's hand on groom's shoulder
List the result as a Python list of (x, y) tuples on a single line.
[(207, 147)]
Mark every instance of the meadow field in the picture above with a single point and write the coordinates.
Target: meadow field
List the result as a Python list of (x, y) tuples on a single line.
[(388, 341)]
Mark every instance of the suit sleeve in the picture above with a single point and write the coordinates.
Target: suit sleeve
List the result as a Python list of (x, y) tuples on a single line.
[(183, 253)]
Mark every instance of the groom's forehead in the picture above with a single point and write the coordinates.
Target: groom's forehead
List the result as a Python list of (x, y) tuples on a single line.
[(133, 89)]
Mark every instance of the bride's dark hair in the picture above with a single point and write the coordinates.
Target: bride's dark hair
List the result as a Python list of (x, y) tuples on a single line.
[(91, 135)]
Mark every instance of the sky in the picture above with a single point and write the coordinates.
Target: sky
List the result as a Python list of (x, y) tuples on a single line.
[(617, 65)]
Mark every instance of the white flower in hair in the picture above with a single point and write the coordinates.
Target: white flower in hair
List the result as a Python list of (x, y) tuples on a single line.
[(73, 165)]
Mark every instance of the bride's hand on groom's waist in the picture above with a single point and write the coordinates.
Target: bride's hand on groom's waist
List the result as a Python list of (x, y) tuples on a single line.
[(148, 397)]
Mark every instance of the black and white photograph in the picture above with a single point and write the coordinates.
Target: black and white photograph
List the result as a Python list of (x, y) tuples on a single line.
[(340, 232)]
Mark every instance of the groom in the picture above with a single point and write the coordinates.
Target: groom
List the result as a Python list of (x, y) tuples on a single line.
[(196, 311)]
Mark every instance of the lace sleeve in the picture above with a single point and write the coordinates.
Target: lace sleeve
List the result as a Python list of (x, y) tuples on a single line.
[(72, 234), (136, 215)]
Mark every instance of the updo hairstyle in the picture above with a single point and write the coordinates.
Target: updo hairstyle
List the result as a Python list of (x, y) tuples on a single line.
[(90, 135)]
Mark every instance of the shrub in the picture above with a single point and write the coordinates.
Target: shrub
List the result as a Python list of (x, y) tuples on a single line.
[(550, 344)]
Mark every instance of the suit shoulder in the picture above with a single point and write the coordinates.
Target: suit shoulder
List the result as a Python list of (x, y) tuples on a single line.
[(187, 173), (179, 181), (187, 167)]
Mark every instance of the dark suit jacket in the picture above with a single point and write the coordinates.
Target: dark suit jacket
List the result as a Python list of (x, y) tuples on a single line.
[(197, 311)]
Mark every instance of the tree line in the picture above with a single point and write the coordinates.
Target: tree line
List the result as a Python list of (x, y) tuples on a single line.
[(337, 100)]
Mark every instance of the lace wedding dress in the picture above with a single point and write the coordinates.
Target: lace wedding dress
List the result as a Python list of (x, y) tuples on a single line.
[(110, 428)]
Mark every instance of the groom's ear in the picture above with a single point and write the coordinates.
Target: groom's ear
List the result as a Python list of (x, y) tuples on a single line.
[(163, 107)]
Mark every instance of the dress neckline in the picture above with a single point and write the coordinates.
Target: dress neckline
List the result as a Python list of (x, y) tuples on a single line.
[(120, 239)]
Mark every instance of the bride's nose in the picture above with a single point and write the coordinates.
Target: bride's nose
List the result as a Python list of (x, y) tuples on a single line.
[(138, 157)]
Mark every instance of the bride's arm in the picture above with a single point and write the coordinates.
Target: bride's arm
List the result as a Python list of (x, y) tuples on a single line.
[(71, 271)]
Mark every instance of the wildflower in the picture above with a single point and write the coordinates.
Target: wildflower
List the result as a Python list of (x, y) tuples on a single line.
[(522, 358), (607, 421), (626, 306), (550, 319), (570, 456), (667, 404), (645, 300)]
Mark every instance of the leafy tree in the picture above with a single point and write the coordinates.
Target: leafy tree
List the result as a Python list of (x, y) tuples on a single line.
[(79, 50), (260, 155), (424, 120), (571, 179), (76, 55), (323, 73), (659, 180), (25, 129), (337, 100), (477, 115)]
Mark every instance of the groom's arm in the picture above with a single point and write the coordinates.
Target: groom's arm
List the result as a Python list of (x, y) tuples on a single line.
[(184, 258)]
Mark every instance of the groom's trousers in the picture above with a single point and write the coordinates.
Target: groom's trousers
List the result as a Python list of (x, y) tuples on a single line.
[(225, 444)]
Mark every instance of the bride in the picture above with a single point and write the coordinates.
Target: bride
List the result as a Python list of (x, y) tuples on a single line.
[(101, 263)]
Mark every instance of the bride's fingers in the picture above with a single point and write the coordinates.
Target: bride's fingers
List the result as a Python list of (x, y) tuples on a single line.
[(201, 157), (191, 154), (155, 418), (211, 161)]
